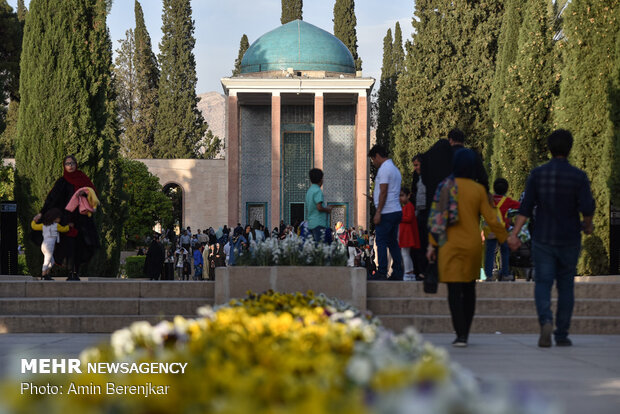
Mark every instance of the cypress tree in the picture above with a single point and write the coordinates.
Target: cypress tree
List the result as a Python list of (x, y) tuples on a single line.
[(244, 44), (68, 106), (591, 31), (180, 125), (127, 96), (448, 76), (527, 97), (345, 24), (11, 31), (614, 105), (147, 82), (386, 94), (397, 51), (508, 44), (291, 10)]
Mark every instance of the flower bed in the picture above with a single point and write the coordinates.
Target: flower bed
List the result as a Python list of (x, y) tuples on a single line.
[(283, 353), (293, 250)]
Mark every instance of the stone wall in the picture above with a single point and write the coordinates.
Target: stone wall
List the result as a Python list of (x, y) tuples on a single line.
[(205, 188)]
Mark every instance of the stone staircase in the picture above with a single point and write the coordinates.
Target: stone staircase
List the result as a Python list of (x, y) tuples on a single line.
[(506, 307), (95, 306), (28, 305)]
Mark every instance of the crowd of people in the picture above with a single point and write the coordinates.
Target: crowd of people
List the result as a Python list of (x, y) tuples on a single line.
[(437, 220)]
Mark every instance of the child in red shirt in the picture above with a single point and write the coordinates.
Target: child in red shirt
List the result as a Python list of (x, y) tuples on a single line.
[(504, 203), (408, 237)]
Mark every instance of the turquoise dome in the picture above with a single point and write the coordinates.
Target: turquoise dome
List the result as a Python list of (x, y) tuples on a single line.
[(298, 45)]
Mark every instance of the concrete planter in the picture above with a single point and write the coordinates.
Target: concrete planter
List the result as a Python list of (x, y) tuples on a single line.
[(345, 283)]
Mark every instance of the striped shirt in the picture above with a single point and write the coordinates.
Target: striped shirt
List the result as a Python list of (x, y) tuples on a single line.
[(559, 192)]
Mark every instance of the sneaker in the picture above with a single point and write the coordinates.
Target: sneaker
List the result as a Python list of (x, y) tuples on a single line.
[(545, 335), (459, 342), (563, 342), (408, 277)]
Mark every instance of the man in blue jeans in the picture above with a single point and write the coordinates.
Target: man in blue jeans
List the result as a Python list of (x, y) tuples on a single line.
[(389, 212), (560, 192), (316, 214)]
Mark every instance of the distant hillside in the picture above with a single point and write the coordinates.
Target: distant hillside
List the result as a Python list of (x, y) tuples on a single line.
[(213, 108)]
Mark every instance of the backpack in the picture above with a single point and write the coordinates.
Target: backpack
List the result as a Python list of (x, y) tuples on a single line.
[(500, 217)]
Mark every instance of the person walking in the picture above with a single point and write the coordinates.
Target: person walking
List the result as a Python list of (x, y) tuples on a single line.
[(560, 193), (316, 214), (418, 198), (454, 227), (388, 214), (198, 263), (154, 260), (408, 238)]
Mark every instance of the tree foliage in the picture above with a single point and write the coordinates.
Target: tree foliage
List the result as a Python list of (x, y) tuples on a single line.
[(68, 107), (11, 31), (180, 125), (244, 44), (449, 70), (522, 93), (137, 78), (291, 10), (584, 107), (345, 24), (145, 201), (393, 65)]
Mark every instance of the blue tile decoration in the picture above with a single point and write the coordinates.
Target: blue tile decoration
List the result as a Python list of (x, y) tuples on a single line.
[(255, 156), (339, 156)]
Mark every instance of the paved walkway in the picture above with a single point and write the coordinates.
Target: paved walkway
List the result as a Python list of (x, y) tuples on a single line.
[(584, 378)]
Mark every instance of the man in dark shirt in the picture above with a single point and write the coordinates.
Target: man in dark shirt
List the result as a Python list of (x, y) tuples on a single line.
[(437, 164), (560, 192)]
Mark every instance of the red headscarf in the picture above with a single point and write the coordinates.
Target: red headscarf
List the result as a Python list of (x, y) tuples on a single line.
[(78, 179)]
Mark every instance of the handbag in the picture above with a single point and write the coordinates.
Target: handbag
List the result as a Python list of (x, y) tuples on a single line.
[(431, 278)]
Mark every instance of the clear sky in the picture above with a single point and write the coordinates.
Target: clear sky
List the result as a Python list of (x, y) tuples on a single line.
[(220, 24)]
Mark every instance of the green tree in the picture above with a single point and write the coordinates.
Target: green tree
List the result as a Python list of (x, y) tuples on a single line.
[(345, 24), (210, 146), (244, 44), (386, 94), (68, 106), (590, 47), (147, 83), (137, 78), (7, 179), (145, 201), (11, 32), (525, 98), (291, 10), (449, 70), (180, 125), (127, 94)]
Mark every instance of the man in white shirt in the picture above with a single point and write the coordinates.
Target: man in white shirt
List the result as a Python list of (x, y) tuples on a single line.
[(388, 212)]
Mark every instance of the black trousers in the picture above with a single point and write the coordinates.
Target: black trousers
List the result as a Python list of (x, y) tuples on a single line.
[(462, 301)]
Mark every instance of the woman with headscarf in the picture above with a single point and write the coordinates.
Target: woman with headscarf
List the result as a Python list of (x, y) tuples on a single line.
[(454, 227), (78, 244)]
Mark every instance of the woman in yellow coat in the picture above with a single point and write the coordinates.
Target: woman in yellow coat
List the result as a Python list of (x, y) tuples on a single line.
[(460, 252)]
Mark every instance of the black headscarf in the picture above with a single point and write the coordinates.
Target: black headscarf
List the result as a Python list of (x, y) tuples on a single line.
[(464, 163)]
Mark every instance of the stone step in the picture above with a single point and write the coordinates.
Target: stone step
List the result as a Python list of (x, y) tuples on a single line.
[(585, 325), (487, 306), (101, 306), (116, 288), (73, 324), (519, 289)]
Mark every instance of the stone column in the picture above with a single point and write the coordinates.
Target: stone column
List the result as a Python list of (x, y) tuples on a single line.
[(361, 161), (318, 130), (234, 170), (274, 208)]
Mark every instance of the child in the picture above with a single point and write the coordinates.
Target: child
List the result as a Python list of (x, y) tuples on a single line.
[(408, 237), (50, 227), (503, 203)]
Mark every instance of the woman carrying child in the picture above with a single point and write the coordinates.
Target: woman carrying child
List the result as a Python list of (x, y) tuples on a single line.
[(50, 227)]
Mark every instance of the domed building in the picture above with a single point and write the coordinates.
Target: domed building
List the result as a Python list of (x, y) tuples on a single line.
[(297, 104)]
